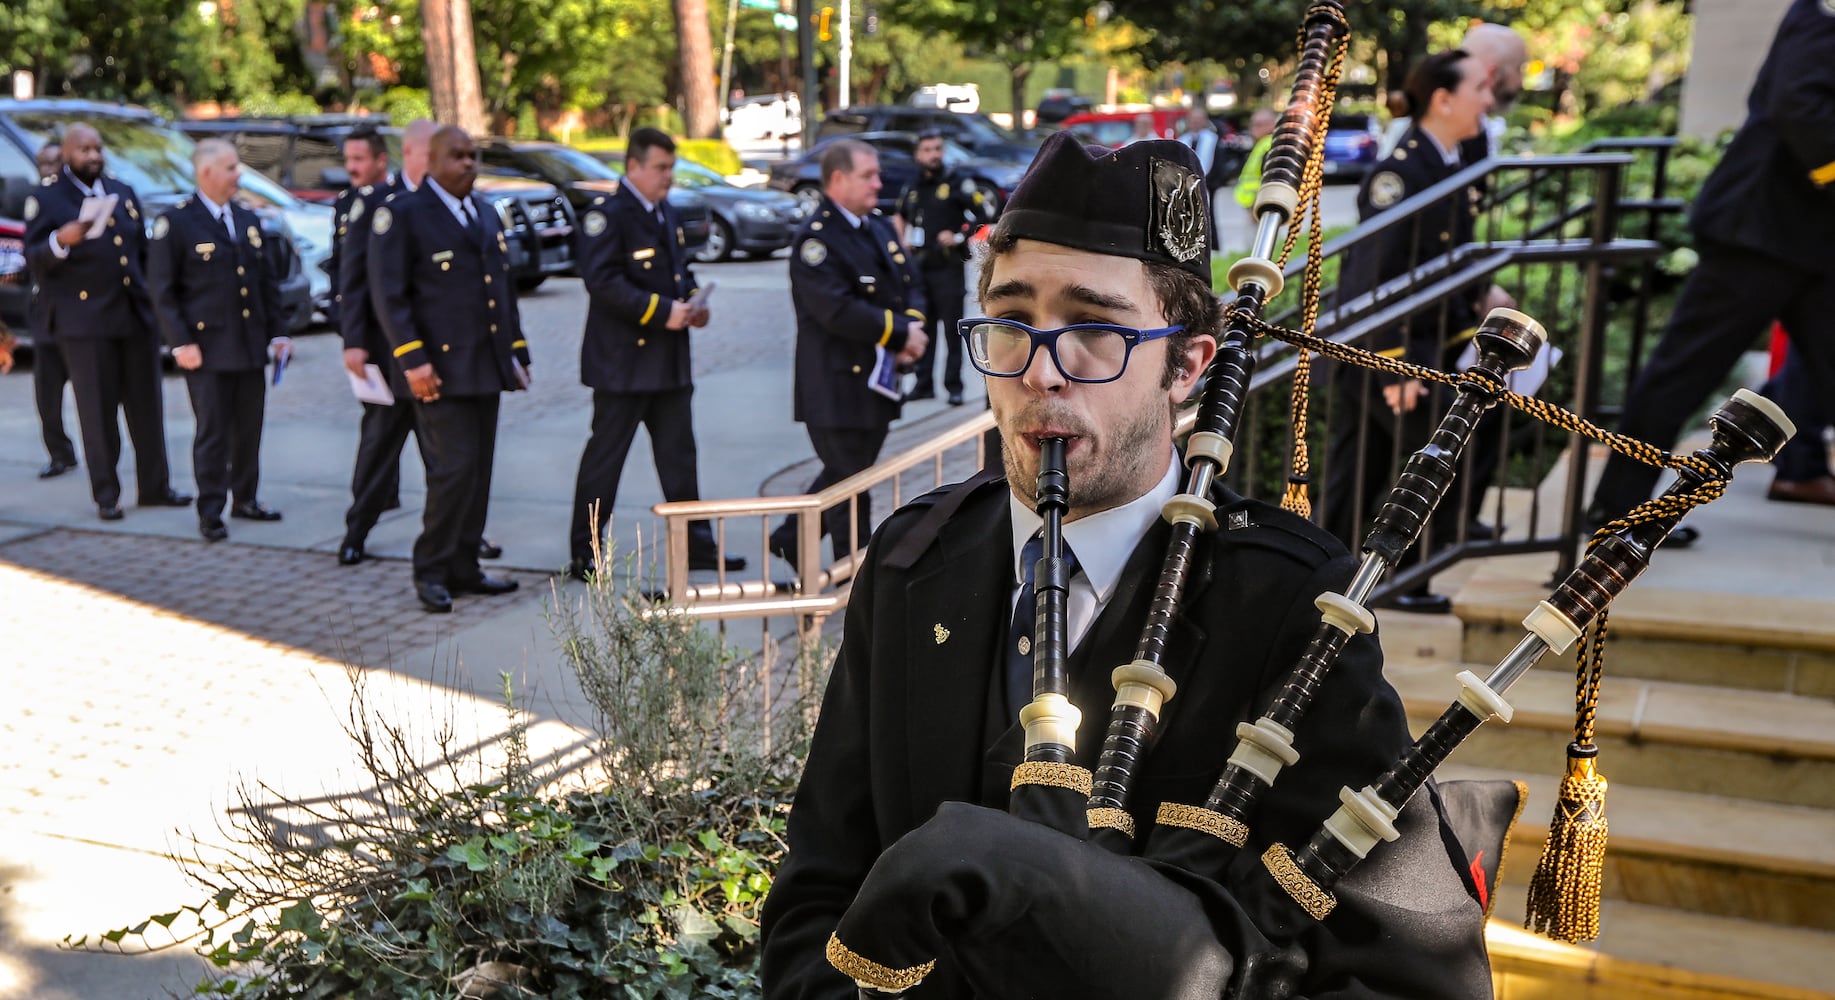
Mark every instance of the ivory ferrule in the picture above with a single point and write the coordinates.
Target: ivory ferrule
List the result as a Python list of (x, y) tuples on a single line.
[(1263, 747), (1189, 508), (1363, 821), (1051, 719), (1144, 685), (1344, 614), (1257, 271), (1210, 445), (1552, 627), (1478, 698)]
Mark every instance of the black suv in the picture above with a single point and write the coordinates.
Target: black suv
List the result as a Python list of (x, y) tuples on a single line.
[(582, 178), (306, 154), (974, 132), (153, 158), (898, 168)]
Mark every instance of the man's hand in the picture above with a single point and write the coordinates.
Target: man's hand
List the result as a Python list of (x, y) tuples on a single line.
[(71, 233), (916, 342), (282, 348), (354, 360), (1494, 298), (1403, 397), (423, 383), (948, 238), (679, 314), (699, 317), (189, 357)]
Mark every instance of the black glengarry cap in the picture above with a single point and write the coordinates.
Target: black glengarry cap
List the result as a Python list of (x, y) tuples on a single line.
[(1146, 200)]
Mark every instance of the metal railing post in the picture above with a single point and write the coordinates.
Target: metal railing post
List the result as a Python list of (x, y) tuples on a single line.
[(1591, 364)]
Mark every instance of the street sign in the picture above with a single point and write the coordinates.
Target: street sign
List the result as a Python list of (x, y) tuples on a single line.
[(785, 21), (759, 4)]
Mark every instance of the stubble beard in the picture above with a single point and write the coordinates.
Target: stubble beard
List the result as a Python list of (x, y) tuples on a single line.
[(1104, 472)]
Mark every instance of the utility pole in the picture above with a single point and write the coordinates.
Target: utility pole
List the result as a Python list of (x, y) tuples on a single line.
[(806, 46), (726, 63), (844, 94)]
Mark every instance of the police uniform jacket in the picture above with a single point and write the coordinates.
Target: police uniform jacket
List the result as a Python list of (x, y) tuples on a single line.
[(1774, 189), (334, 261), (212, 290), (936, 203), (99, 290), (634, 267), (853, 290), (443, 296), (1412, 167), (912, 718), (357, 324)]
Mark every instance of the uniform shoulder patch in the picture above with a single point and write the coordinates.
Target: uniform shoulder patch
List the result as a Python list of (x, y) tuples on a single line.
[(356, 210), (813, 252), (1386, 189), (31, 207), (161, 226), (382, 220), (594, 223)]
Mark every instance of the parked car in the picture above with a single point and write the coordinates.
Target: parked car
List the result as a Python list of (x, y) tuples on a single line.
[(1058, 105), (154, 158), (306, 154), (15, 283), (581, 178), (962, 98), (1351, 144), (802, 176), (744, 220), (974, 132), (1115, 128), (768, 116)]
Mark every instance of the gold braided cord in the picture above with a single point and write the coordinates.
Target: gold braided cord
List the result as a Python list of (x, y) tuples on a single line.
[(1231, 831), (1036, 772), (1312, 184), (1317, 903), (1104, 818), (867, 972)]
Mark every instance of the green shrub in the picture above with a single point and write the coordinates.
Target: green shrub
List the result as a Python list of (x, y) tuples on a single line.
[(280, 105), (525, 882)]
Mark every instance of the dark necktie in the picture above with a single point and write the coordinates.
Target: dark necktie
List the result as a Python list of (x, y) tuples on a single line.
[(1025, 614), (229, 224), (471, 221)]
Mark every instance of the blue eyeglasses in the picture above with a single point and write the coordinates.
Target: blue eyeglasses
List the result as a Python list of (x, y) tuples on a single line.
[(1085, 352)]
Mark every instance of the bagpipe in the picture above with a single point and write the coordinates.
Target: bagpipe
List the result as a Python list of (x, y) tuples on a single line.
[(928, 893)]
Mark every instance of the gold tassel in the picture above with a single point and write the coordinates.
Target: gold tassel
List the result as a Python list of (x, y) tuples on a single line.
[(1564, 892)]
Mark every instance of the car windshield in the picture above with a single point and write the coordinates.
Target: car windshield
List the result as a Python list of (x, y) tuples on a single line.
[(692, 175), (258, 188), (984, 130), (152, 159), (559, 163)]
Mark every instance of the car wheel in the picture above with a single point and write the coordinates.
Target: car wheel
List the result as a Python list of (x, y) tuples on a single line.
[(719, 245), (810, 195), (530, 284)]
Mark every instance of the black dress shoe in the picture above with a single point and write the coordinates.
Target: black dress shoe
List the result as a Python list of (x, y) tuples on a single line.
[(1479, 531), (252, 511), (212, 531), (434, 597), (54, 468), (393, 504), (170, 498), (581, 570), (784, 549), (1425, 603), (709, 560), (350, 553), (489, 586), (488, 551), (109, 512), (955, 398)]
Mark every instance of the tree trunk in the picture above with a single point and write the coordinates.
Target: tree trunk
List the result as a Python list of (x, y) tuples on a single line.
[(695, 51), (1018, 74), (452, 64)]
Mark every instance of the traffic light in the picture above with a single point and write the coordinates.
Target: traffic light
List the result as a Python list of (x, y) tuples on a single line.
[(872, 20), (822, 32)]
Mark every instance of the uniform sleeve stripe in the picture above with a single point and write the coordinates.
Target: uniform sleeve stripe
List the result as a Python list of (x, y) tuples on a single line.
[(886, 337), (654, 299), (1823, 174), (518, 343), (412, 345), (914, 314)]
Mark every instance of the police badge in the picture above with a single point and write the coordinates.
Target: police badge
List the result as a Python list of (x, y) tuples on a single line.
[(380, 222), (594, 222), (813, 252), (161, 226), (31, 208), (1386, 189), (1178, 211)]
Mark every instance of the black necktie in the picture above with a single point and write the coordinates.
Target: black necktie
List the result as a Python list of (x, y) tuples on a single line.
[(229, 225), (1025, 614), (471, 221)]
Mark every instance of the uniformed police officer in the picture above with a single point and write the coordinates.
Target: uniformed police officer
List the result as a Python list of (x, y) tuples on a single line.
[(48, 374), (375, 481), (854, 292), (1448, 95), (634, 352), (439, 272), (95, 306), (1764, 227), (218, 303), (937, 213)]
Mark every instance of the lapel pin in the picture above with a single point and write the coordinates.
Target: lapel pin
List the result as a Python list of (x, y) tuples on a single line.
[(942, 633)]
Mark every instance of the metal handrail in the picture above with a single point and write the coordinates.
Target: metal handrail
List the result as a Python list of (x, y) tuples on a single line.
[(820, 590)]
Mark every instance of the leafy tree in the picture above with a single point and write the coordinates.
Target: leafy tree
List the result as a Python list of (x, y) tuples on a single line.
[(101, 48)]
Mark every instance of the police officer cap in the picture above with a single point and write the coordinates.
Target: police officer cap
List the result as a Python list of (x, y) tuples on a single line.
[(1146, 200)]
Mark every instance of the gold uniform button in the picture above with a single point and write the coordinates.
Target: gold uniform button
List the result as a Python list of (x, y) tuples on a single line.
[(445, 265), (124, 262), (245, 293), (490, 303), (245, 314), (856, 369), (445, 347), (84, 295), (487, 279), (640, 342), (117, 241), (1444, 237), (493, 328), (200, 324), (239, 272)]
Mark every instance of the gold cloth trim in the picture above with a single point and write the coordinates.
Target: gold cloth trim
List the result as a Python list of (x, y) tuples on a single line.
[(1315, 901), (1230, 831), (1112, 819), (412, 345), (654, 299), (867, 972), (1070, 776)]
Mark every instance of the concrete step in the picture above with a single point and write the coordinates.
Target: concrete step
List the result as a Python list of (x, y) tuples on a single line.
[(1765, 642), (1765, 746), (1656, 953), (1705, 854)]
